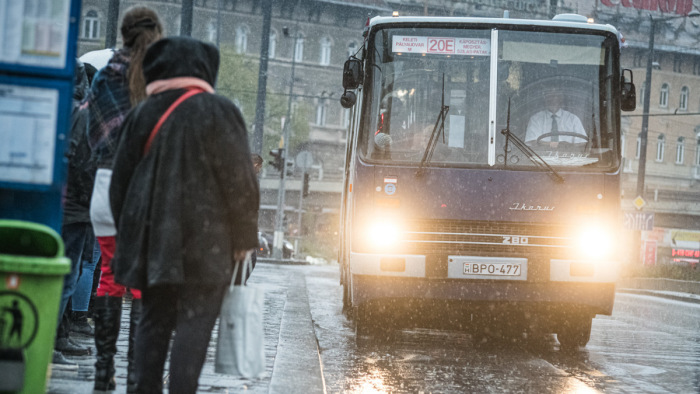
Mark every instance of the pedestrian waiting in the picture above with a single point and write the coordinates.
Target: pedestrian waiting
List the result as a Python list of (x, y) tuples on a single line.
[(116, 89), (186, 201), (76, 229)]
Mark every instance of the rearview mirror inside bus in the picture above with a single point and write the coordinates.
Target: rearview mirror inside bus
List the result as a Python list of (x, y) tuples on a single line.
[(352, 73), (628, 93)]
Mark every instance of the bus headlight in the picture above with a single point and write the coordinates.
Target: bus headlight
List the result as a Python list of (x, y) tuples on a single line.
[(383, 234), (595, 241)]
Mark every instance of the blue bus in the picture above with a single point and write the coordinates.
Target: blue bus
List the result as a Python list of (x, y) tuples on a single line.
[(482, 175)]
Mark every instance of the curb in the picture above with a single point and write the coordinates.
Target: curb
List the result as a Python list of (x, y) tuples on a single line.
[(297, 367), (660, 284), (271, 260), (661, 294)]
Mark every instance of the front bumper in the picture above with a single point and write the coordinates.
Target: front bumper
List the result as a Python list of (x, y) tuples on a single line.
[(556, 282)]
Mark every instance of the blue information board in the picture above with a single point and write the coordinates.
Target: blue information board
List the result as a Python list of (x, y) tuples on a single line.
[(38, 40)]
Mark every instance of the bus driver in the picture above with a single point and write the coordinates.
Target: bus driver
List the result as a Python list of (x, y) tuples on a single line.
[(554, 120)]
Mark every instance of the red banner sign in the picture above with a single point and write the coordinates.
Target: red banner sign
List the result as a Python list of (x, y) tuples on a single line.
[(685, 253)]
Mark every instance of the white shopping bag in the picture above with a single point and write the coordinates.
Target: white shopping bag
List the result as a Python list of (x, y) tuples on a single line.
[(240, 348)]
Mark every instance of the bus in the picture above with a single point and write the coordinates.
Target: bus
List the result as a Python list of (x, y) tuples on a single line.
[(482, 175)]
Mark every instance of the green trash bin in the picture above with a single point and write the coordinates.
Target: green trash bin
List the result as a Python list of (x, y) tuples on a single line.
[(32, 267)]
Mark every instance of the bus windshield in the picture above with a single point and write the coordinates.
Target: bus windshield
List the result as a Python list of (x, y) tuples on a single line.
[(552, 90)]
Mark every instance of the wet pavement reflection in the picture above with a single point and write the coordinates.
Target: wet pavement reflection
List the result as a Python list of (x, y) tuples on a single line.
[(646, 346)]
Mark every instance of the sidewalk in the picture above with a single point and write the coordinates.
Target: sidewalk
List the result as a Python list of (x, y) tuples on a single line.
[(680, 290), (291, 350)]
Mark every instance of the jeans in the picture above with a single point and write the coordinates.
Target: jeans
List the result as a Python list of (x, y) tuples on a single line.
[(190, 310), (83, 290), (74, 237)]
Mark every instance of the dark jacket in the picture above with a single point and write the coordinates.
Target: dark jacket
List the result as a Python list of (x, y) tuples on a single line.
[(108, 103), (81, 169), (183, 208)]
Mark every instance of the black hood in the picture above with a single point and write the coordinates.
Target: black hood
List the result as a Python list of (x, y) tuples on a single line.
[(181, 57)]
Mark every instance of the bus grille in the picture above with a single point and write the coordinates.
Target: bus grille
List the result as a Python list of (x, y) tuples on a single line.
[(486, 238)]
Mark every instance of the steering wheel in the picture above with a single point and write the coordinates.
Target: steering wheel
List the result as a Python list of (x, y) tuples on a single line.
[(563, 133)]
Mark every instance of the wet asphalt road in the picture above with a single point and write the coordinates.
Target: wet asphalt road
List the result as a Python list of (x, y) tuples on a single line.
[(648, 345)]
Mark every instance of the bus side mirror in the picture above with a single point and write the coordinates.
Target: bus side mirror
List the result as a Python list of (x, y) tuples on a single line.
[(628, 99), (352, 73)]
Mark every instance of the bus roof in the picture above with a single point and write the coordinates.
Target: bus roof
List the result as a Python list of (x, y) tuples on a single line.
[(566, 21)]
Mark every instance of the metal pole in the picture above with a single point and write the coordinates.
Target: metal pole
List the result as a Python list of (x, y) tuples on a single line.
[(112, 22), (301, 206), (186, 18), (262, 78), (279, 219), (218, 28), (641, 173)]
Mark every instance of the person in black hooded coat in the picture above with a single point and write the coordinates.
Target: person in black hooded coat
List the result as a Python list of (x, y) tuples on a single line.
[(186, 209)]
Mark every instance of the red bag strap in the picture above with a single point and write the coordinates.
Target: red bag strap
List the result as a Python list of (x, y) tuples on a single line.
[(190, 92)]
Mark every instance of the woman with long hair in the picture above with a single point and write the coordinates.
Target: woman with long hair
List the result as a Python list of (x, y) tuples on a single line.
[(115, 90)]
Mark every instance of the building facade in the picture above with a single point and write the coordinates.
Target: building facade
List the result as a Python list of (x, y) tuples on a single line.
[(672, 177)]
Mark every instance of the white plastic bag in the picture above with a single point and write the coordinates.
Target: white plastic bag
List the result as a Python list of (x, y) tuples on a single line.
[(240, 347)]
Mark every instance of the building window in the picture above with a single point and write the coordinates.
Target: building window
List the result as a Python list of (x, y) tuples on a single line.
[(91, 25), (325, 54), (638, 150), (346, 118), (680, 150), (677, 62), (697, 150), (683, 104), (321, 113), (212, 31), (299, 49), (352, 48), (660, 147), (272, 49), (663, 96), (623, 144), (241, 42), (637, 61)]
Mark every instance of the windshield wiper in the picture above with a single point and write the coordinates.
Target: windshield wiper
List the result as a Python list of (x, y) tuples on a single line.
[(527, 151), (439, 128)]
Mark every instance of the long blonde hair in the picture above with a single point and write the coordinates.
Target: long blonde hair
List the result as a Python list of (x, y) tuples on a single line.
[(140, 28)]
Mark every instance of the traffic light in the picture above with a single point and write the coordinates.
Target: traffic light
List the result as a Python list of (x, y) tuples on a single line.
[(277, 158), (290, 168), (305, 189)]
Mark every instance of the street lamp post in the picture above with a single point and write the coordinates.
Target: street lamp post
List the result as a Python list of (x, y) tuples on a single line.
[(262, 78), (277, 242), (641, 173), (112, 23)]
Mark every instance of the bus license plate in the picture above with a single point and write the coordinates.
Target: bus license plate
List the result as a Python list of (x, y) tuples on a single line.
[(498, 269), (487, 268)]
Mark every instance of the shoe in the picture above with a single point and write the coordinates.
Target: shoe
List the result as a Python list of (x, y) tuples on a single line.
[(59, 359), (70, 348), (107, 313), (80, 325)]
